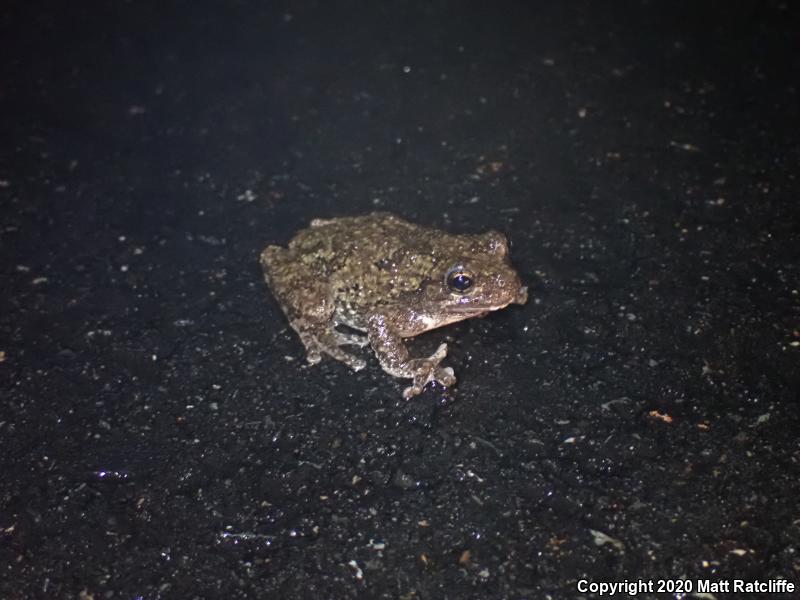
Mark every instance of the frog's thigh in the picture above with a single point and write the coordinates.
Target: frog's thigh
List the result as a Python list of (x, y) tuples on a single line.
[(307, 302), (298, 289), (394, 358)]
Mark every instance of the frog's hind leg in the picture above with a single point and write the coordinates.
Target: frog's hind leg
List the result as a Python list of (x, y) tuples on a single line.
[(344, 338), (306, 301), (321, 338)]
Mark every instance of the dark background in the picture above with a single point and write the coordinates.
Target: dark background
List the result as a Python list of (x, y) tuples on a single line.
[(161, 435)]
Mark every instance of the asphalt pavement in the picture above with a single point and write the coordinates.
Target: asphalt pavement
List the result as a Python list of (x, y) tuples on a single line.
[(160, 433)]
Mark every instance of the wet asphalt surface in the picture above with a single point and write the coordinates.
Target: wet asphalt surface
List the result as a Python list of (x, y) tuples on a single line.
[(161, 434)]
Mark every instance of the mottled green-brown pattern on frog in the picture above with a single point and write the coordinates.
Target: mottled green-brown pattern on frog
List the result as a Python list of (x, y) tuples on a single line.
[(387, 279)]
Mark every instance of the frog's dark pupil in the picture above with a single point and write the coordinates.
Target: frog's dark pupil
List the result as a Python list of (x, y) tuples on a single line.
[(460, 282)]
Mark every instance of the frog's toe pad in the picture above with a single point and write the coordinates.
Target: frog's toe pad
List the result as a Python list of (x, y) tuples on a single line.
[(411, 391), (439, 355), (446, 376)]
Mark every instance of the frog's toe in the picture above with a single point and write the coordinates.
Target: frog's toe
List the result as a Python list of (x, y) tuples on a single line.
[(439, 355), (421, 377), (313, 357), (351, 361), (411, 391), (350, 339), (313, 351), (445, 376), (427, 372)]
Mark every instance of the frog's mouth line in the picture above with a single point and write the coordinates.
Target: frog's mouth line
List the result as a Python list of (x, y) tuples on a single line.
[(477, 310), (481, 310)]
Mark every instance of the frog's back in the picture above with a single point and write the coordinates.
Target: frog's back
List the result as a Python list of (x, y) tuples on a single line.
[(374, 226), (329, 245)]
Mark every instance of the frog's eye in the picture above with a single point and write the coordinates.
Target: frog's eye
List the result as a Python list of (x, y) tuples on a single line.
[(459, 280)]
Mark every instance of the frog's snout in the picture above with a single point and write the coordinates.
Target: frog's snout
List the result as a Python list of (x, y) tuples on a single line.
[(522, 295)]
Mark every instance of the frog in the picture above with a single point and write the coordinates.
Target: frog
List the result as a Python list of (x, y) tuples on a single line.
[(377, 280)]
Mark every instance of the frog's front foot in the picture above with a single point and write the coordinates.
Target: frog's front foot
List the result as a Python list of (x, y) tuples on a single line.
[(425, 370), (393, 355)]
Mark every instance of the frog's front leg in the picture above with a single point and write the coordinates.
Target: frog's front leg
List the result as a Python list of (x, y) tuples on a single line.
[(394, 358)]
